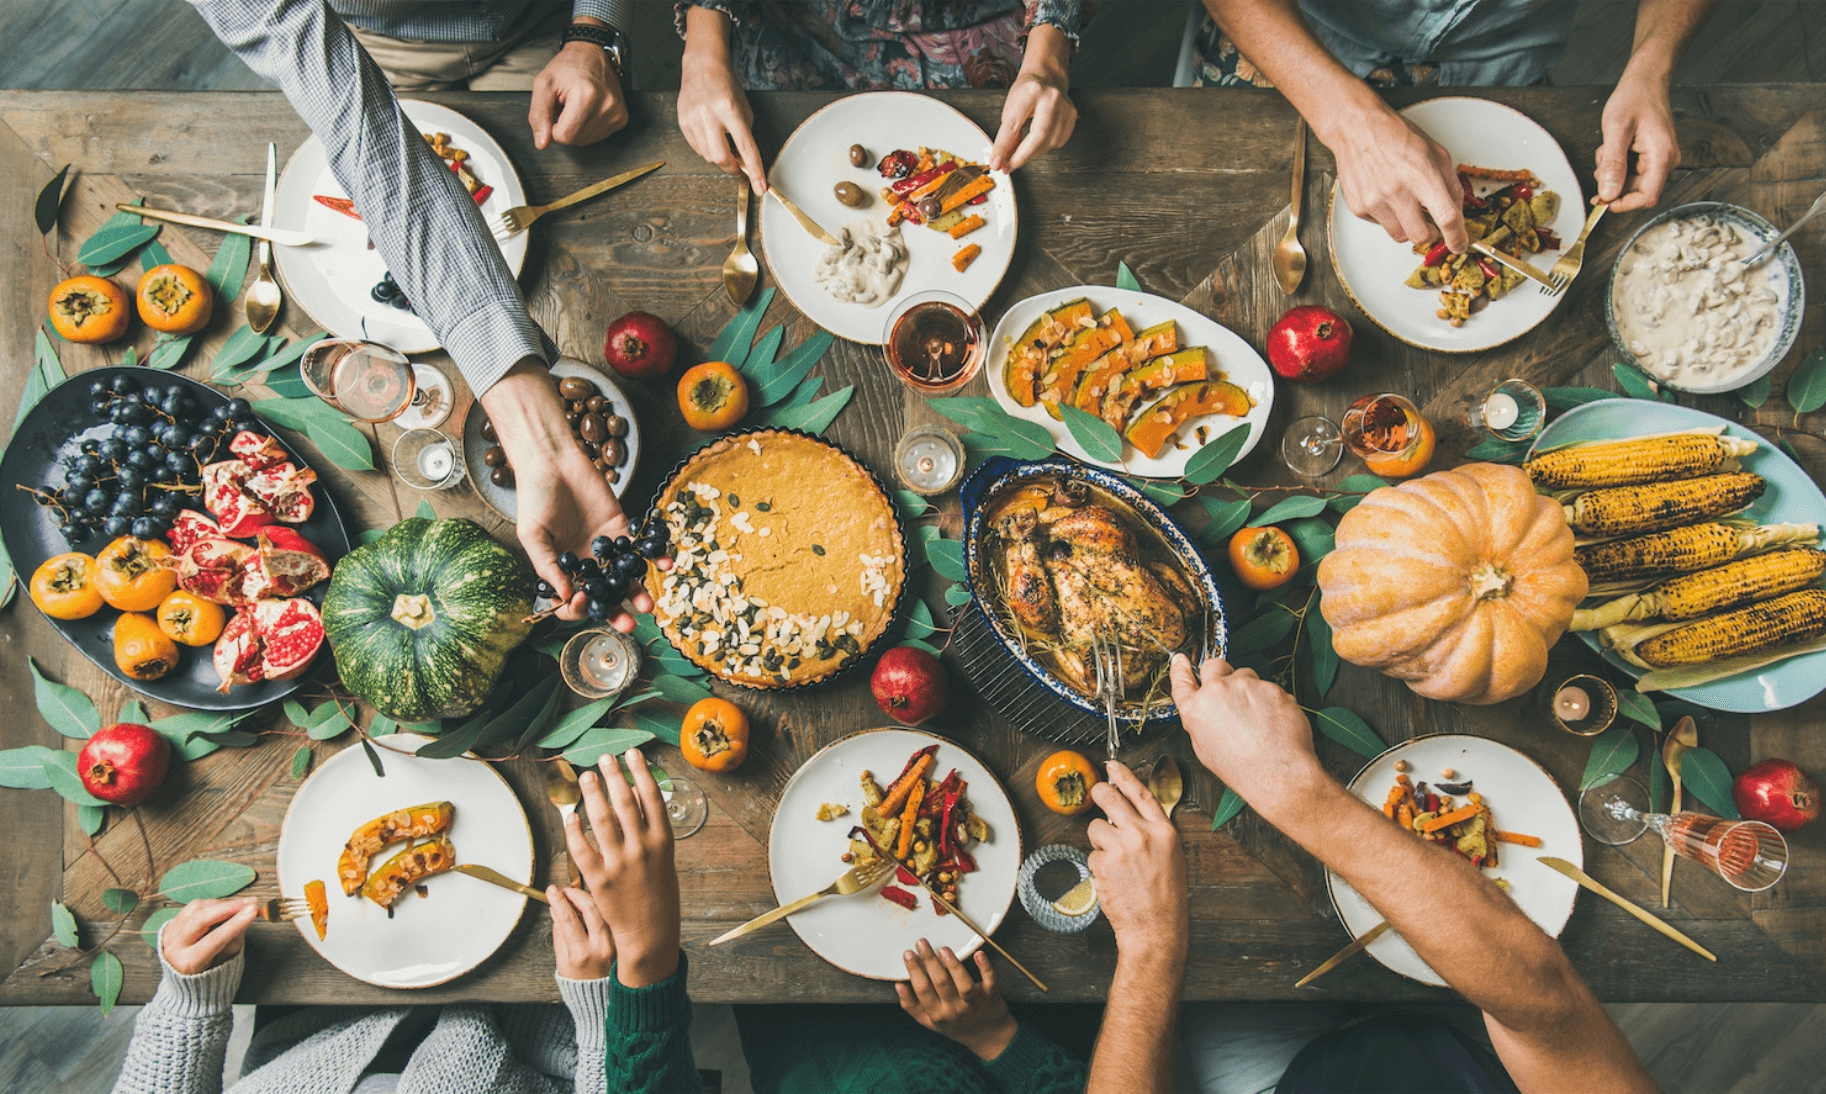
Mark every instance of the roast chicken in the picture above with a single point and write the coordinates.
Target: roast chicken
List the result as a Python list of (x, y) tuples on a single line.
[(1073, 571)]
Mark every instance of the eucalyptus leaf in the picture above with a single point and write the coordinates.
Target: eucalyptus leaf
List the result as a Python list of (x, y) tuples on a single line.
[(803, 394), (919, 620), (599, 741), (168, 352), (1028, 440), (1708, 779), (129, 357), (1807, 387), (966, 410), (1612, 753), (9, 578), (669, 660), (367, 747), (382, 726), (1302, 505), (205, 879), (759, 364), (946, 557), (912, 504), (44, 209), (241, 347), (957, 595), (918, 645), (1263, 631), (509, 723), (981, 446), (1210, 462), (1163, 493), (662, 725), (1228, 807), (46, 360), (132, 711), (541, 723), (1493, 450), (105, 975), (294, 710), (424, 510), (1660, 788), (229, 269), (1125, 278), (1782, 442), (814, 417), (149, 930), (63, 926), (34, 391), (68, 711), (1635, 383), (736, 335), (292, 353), (23, 768), (1318, 643), (678, 689), (285, 382), (90, 818), (790, 371), (573, 725), (1565, 398), (190, 732), (1225, 517), (291, 413), (1093, 434), (328, 721), (122, 901), (341, 443), (1755, 393), (60, 769), (301, 761), (157, 255), (1361, 485), (1633, 704), (1350, 730), (1314, 537), (114, 241)]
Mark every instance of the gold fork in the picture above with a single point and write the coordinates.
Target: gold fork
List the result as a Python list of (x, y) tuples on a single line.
[(1107, 657), (282, 909), (1568, 266), (853, 880), (521, 217)]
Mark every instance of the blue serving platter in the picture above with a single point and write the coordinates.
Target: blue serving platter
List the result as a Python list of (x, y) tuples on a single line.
[(996, 476), (1792, 497)]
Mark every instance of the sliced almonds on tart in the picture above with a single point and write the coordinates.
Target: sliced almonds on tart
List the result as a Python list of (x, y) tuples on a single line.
[(788, 559)]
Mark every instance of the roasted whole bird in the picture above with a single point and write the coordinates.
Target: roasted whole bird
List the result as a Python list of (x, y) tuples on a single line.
[(1072, 569)]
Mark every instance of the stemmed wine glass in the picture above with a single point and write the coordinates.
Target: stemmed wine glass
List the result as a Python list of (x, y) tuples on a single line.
[(371, 382), (1751, 855), (1312, 446)]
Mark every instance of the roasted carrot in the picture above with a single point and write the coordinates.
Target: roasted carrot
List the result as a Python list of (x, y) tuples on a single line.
[(961, 260), (1446, 820), (905, 843), (1518, 837), (967, 225), (982, 184), (914, 775), (1396, 793)]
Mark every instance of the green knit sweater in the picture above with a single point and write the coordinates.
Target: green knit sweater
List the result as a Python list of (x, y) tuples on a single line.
[(649, 1052)]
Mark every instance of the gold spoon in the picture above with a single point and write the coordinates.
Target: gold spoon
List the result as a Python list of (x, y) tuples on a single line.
[(1684, 736), (1289, 257), (740, 269), (263, 296)]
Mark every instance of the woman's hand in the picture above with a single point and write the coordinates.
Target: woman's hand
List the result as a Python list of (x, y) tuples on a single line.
[(713, 111), (582, 941), (206, 933), (1392, 173), (941, 995), (1038, 95), (632, 877), (1637, 118)]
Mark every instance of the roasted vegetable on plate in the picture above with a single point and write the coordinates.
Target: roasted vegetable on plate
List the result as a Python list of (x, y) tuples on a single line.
[(1640, 460), (410, 866), (1512, 219), (924, 826), (1467, 828), (412, 822)]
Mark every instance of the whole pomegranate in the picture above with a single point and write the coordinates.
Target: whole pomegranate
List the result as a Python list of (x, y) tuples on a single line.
[(1309, 344), (1777, 793), (640, 346), (909, 685), (124, 762)]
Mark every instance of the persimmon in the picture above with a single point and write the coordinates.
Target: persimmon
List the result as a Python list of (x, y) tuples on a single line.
[(64, 587), (1064, 782), (175, 299), (141, 650), (1394, 467), (189, 619), (89, 309), (714, 736), (131, 575), (713, 396), (1263, 558)]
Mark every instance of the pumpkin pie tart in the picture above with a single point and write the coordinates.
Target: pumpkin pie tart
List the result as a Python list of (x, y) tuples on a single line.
[(789, 559)]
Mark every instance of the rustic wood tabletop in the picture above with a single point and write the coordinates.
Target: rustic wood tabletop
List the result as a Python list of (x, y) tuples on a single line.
[(1188, 187)]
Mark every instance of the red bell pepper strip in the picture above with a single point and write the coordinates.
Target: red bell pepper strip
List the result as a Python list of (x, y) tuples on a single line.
[(899, 896), (1436, 255), (908, 185), (1550, 240), (1490, 271), (962, 859), (345, 206), (1522, 192), (904, 876), (978, 200), (1471, 201), (481, 194)]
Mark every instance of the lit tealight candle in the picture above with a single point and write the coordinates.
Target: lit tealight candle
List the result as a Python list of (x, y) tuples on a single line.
[(435, 461), (1501, 411), (1571, 704)]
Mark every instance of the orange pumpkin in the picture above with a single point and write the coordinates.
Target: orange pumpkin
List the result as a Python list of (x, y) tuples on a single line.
[(1458, 583), (141, 650), (714, 736), (1064, 782), (175, 300), (713, 396), (89, 309)]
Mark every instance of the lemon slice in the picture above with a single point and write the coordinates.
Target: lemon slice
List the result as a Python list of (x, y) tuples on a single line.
[(1081, 899)]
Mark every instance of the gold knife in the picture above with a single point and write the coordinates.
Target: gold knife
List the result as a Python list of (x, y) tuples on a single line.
[(285, 237), (1344, 954), (495, 877), (1562, 866), (1520, 266), (980, 932), (805, 222)]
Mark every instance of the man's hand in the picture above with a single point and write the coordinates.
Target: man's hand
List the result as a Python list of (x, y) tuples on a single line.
[(1139, 864), (1246, 731), (206, 933), (563, 502), (941, 995), (577, 98), (582, 942), (713, 111), (632, 877), (1637, 118), (1038, 95), (1397, 176)]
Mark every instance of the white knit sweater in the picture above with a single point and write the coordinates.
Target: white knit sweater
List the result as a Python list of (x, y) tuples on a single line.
[(181, 1037)]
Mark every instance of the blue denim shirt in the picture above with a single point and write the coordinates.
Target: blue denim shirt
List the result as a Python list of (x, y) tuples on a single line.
[(1473, 42)]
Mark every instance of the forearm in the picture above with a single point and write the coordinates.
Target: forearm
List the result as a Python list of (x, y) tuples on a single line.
[(1662, 30), (588, 1003), (1274, 36), (1049, 51), (706, 36), (180, 1039), (1135, 1046), (648, 1036)]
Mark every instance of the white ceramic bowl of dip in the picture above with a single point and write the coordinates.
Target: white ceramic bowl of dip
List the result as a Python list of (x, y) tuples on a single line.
[(1794, 293)]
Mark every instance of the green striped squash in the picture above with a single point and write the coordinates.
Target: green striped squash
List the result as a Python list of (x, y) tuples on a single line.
[(422, 619)]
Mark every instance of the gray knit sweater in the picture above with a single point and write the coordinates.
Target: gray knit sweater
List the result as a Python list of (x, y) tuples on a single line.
[(181, 1038)]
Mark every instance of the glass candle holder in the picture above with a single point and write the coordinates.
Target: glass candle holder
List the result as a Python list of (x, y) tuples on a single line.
[(426, 459), (599, 663), (1583, 705), (929, 460), (1514, 410)]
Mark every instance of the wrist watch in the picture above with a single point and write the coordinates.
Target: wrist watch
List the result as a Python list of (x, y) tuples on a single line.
[(610, 38)]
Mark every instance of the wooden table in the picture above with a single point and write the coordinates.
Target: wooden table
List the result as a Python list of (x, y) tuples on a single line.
[(1189, 188)]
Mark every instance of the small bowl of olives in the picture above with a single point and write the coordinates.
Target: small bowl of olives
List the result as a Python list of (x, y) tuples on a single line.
[(601, 421)]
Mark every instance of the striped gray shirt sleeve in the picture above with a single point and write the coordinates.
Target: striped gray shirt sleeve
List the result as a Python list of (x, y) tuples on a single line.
[(421, 220)]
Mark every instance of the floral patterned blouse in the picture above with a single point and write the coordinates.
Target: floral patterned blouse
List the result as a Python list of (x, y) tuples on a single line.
[(856, 45)]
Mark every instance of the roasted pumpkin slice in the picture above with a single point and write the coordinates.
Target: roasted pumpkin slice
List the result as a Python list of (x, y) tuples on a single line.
[(1155, 425), (1184, 366), (413, 822), (1061, 379), (409, 867), (1027, 358), (319, 902), (1107, 371)]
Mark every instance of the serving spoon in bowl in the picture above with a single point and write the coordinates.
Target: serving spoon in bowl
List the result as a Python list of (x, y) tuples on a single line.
[(1768, 248)]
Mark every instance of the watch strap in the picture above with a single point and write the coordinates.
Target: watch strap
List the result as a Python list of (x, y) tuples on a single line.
[(610, 38)]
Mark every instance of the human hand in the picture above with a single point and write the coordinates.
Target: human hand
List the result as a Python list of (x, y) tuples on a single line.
[(563, 502), (1637, 118), (1139, 864), (714, 116), (630, 872), (1038, 94), (1392, 173), (577, 98), (581, 940), (1246, 731), (941, 995), (206, 933)]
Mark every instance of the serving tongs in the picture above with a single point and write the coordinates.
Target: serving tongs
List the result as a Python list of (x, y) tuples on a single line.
[(1106, 656)]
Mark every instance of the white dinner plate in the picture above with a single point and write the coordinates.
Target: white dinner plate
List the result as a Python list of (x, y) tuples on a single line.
[(1523, 798), (816, 157), (1374, 268), (864, 933), (504, 499), (333, 279), (460, 921), (1243, 366)]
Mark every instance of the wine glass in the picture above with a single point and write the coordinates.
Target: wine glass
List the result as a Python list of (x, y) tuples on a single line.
[(936, 342), (686, 807), (1312, 446), (1750, 855), (371, 382)]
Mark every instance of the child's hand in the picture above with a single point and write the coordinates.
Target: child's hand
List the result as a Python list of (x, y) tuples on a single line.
[(946, 999), (207, 933), (585, 949)]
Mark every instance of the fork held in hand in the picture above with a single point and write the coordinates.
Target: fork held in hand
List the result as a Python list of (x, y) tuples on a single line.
[(1107, 659), (282, 909), (1570, 262)]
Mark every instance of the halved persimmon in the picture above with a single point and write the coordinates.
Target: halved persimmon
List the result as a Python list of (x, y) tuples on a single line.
[(175, 299)]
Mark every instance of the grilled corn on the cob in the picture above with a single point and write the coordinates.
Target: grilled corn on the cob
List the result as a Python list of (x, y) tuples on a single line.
[(1683, 550), (1632, 510), (1628, 463), (1783, 621), (1731, 585)]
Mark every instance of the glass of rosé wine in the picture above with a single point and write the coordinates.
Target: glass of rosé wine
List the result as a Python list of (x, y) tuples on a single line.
[(1750, 855)]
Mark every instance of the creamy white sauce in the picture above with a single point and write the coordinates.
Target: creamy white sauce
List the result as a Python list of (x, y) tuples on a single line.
[(1692, 313), (867, 268)]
